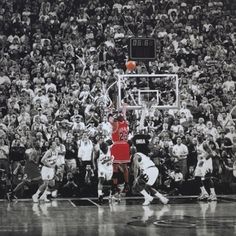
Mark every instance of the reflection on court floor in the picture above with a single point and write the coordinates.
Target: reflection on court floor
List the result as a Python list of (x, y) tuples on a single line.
[(184, 215)]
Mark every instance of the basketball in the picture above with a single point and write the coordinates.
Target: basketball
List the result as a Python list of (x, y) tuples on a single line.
[(130, 65)]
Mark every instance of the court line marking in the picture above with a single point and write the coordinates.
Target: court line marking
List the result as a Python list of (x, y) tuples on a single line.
[(93, 202), (71, 203), (228, 197), (95, 198)]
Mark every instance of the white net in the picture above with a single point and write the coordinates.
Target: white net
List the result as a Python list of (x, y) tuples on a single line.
[(141, 90)]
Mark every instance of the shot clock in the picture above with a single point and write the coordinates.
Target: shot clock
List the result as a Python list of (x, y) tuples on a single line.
[(142, 49)]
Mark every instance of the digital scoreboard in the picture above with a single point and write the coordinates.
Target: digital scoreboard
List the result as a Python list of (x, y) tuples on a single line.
[(142, 49)]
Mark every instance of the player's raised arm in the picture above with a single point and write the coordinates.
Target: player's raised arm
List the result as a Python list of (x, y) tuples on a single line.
[(124, 110)]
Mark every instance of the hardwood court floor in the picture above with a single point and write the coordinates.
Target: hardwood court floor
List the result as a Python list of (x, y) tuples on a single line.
[(84, 217)]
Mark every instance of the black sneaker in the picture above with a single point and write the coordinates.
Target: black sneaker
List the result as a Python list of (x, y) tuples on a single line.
[(100, 199), (126, 188), (11, 196), (115, 190)]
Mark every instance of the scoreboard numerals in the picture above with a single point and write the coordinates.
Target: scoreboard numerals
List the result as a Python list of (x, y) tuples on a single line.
[(142, 49)]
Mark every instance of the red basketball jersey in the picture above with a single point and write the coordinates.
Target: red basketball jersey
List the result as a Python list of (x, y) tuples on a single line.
[(121, 152), (120, 131)]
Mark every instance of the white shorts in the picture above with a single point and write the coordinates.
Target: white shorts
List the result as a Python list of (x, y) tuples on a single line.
[(152, 173), (206, 167), (105, 172), (47, 173)]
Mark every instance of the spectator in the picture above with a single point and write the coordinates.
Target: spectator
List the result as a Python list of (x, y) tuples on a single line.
[(180, 153), (211, 130), (176, 181), (4, 155), (85, 151)]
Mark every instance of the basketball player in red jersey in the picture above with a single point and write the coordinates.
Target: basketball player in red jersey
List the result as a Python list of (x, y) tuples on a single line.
[(120, 128), (120, 149)]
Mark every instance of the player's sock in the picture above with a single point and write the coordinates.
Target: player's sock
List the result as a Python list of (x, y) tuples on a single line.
[(203, 190), (99, 192), (212, 190), (145, 194), (37, 193), (148, 198), (163, 199), (54, 193), (44, 195), (35, 197)]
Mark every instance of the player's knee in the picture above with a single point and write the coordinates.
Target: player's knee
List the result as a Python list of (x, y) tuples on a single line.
[(115, 168), (115, 175), (51, 183)]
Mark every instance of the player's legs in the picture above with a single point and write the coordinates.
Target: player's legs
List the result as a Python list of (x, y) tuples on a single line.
[(200, 182), (52, 189), (125, 171), (152, 174), (12, 194), (40, 191), (148, 198), (101, 180), (100, 189), (47, 175), (200, 173), (141, 184), (46, 192), (210, 182), (139, 187), (115, 178), (109, 180), (154, 192), (208, 167)]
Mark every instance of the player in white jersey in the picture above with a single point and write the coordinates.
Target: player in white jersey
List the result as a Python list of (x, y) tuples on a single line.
[(146, 173), (104, 161), (204, 170), (49, 161), (61, 149)]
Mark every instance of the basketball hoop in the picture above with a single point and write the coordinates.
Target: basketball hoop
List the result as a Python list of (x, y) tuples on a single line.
[(157, 90)]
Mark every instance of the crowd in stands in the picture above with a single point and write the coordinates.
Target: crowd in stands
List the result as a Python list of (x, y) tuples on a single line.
[(58, 58)]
